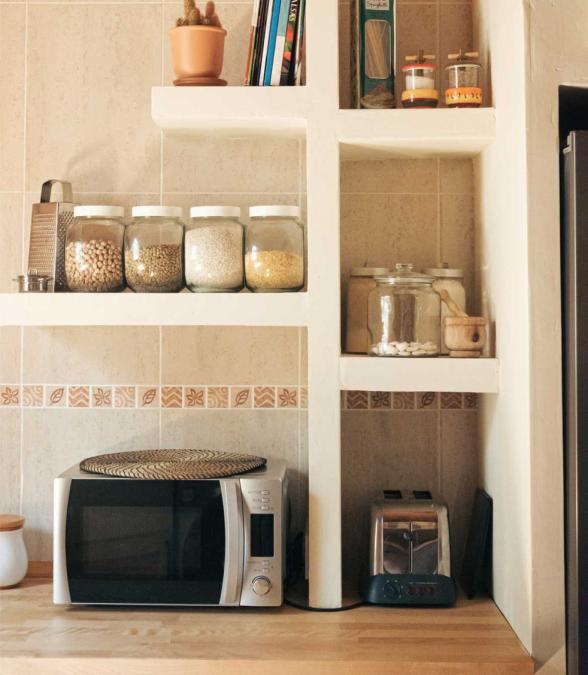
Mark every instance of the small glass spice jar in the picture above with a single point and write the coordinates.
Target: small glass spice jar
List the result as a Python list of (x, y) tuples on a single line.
[(213, 249), (463, 81), (420, 90), (361, 283), (404, 315), (94, 250), (153, 250), (448, 279), (274, 249)]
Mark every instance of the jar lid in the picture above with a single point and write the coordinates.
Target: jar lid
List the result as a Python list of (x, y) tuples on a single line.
[(369, 271), (405, 274), (99, 211), (463, 64), (275, 210), (157, 211), (10, 522), (444, 271), (215, 212)]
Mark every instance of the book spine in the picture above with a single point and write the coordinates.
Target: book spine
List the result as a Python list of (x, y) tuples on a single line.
[(267, 26), (258, 49), (252, 32), (280, 41), (267, 78), (297, 61), (290, 39)]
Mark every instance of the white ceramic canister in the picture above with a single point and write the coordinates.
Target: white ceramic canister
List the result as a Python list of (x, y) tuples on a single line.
[(449, 279), (13, 554)]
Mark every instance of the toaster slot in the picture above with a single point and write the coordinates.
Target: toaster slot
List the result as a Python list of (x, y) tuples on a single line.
[(397, 541)]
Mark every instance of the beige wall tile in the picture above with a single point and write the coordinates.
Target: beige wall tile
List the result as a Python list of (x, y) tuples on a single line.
[(456, 175), (12, 52), (94, 355), (382, 230), (235, 355), (54, 440), (303, 356), (10, 461), (390, 176), (9, 355), (345, 12), (230, 165), (455, 31), (10, 236), (236, 19), (458, 239), (459, 475), (271, 434), (244, 200), (93, 89), (381, 450)]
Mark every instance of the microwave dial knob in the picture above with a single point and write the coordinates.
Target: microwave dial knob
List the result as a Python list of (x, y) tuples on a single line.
[(261, 585)]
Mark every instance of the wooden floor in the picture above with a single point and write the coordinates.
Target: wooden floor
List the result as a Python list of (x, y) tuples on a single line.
[(38, 638)]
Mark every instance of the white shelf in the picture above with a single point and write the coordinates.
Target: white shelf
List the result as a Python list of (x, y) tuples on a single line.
[(367, 373), (145, 309), (382, 134), (232, 111)]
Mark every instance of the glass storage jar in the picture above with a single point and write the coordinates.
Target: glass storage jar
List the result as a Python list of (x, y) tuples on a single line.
[(448, 279), (213, 249), (404, 315), (94, 249), (361, 283), (153, 250), (463, 81), (274, 249), (420, 90)]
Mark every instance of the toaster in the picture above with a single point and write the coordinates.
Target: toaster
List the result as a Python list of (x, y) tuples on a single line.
[(409, 551)]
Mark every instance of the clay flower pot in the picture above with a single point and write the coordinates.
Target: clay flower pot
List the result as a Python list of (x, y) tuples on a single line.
[(197, 51)]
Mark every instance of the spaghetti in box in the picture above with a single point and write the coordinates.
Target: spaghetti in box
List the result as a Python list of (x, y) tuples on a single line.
[(374, 54)]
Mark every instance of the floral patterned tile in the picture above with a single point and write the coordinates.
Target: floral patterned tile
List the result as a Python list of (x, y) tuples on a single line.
[(287, 397), (9, 395), (217, 397), (78, 397), (470, 401), (32, 396), (427, 400), (380, 400), (124, 397), (241, 397), (451, 400), (403, 400), (171, 397), (265, 397), (148, 397), (356, 400), (303, 397), (55, 396), (194, 397), (101, 397)]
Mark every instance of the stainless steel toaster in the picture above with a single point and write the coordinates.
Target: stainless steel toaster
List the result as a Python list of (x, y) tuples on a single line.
[(409, 550)]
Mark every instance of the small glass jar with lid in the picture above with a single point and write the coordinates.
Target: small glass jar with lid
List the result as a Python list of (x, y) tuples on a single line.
[(463, 81), (213, 249), (274, 249), (420, 90), (94, 250), (404, 315), (153, 250), (448, 279)]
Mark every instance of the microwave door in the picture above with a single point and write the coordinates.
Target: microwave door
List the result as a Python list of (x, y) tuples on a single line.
[(234, 536)]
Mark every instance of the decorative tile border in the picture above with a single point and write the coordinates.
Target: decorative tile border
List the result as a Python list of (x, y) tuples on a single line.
[(189, 397), (408, 400)]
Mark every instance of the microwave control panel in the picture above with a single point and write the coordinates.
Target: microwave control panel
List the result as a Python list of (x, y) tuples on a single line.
[(263, 555)]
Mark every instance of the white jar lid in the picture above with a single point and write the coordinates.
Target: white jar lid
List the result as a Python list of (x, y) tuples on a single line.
[(276, 210), (97, 211), (215, 212), (157, 211)]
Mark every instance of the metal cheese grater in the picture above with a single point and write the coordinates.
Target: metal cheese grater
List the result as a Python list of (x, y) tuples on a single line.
[(49, 222)]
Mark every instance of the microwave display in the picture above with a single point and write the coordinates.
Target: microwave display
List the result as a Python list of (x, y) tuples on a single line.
[(146, 541)]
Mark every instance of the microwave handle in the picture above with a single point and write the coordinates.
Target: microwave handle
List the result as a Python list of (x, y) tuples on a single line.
[(233, 511)]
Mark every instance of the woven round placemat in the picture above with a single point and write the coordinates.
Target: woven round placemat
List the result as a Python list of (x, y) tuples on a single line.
[(172, 464)]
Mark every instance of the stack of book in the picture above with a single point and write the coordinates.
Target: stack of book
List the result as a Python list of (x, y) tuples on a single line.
[(276, 43)]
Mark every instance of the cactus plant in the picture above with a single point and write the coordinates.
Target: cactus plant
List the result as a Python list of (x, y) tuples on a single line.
[(194, 17)]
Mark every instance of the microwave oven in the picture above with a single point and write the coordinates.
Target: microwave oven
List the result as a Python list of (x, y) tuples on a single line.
[(120, 541)]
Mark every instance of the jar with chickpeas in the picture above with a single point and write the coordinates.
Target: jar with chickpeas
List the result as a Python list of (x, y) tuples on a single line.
[(154, 250), (94, 250)]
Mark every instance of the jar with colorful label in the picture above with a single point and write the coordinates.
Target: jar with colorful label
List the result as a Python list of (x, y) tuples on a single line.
[(463, 81)]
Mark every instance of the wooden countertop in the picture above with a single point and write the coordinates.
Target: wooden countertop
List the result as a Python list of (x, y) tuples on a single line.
[(472, 638)]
